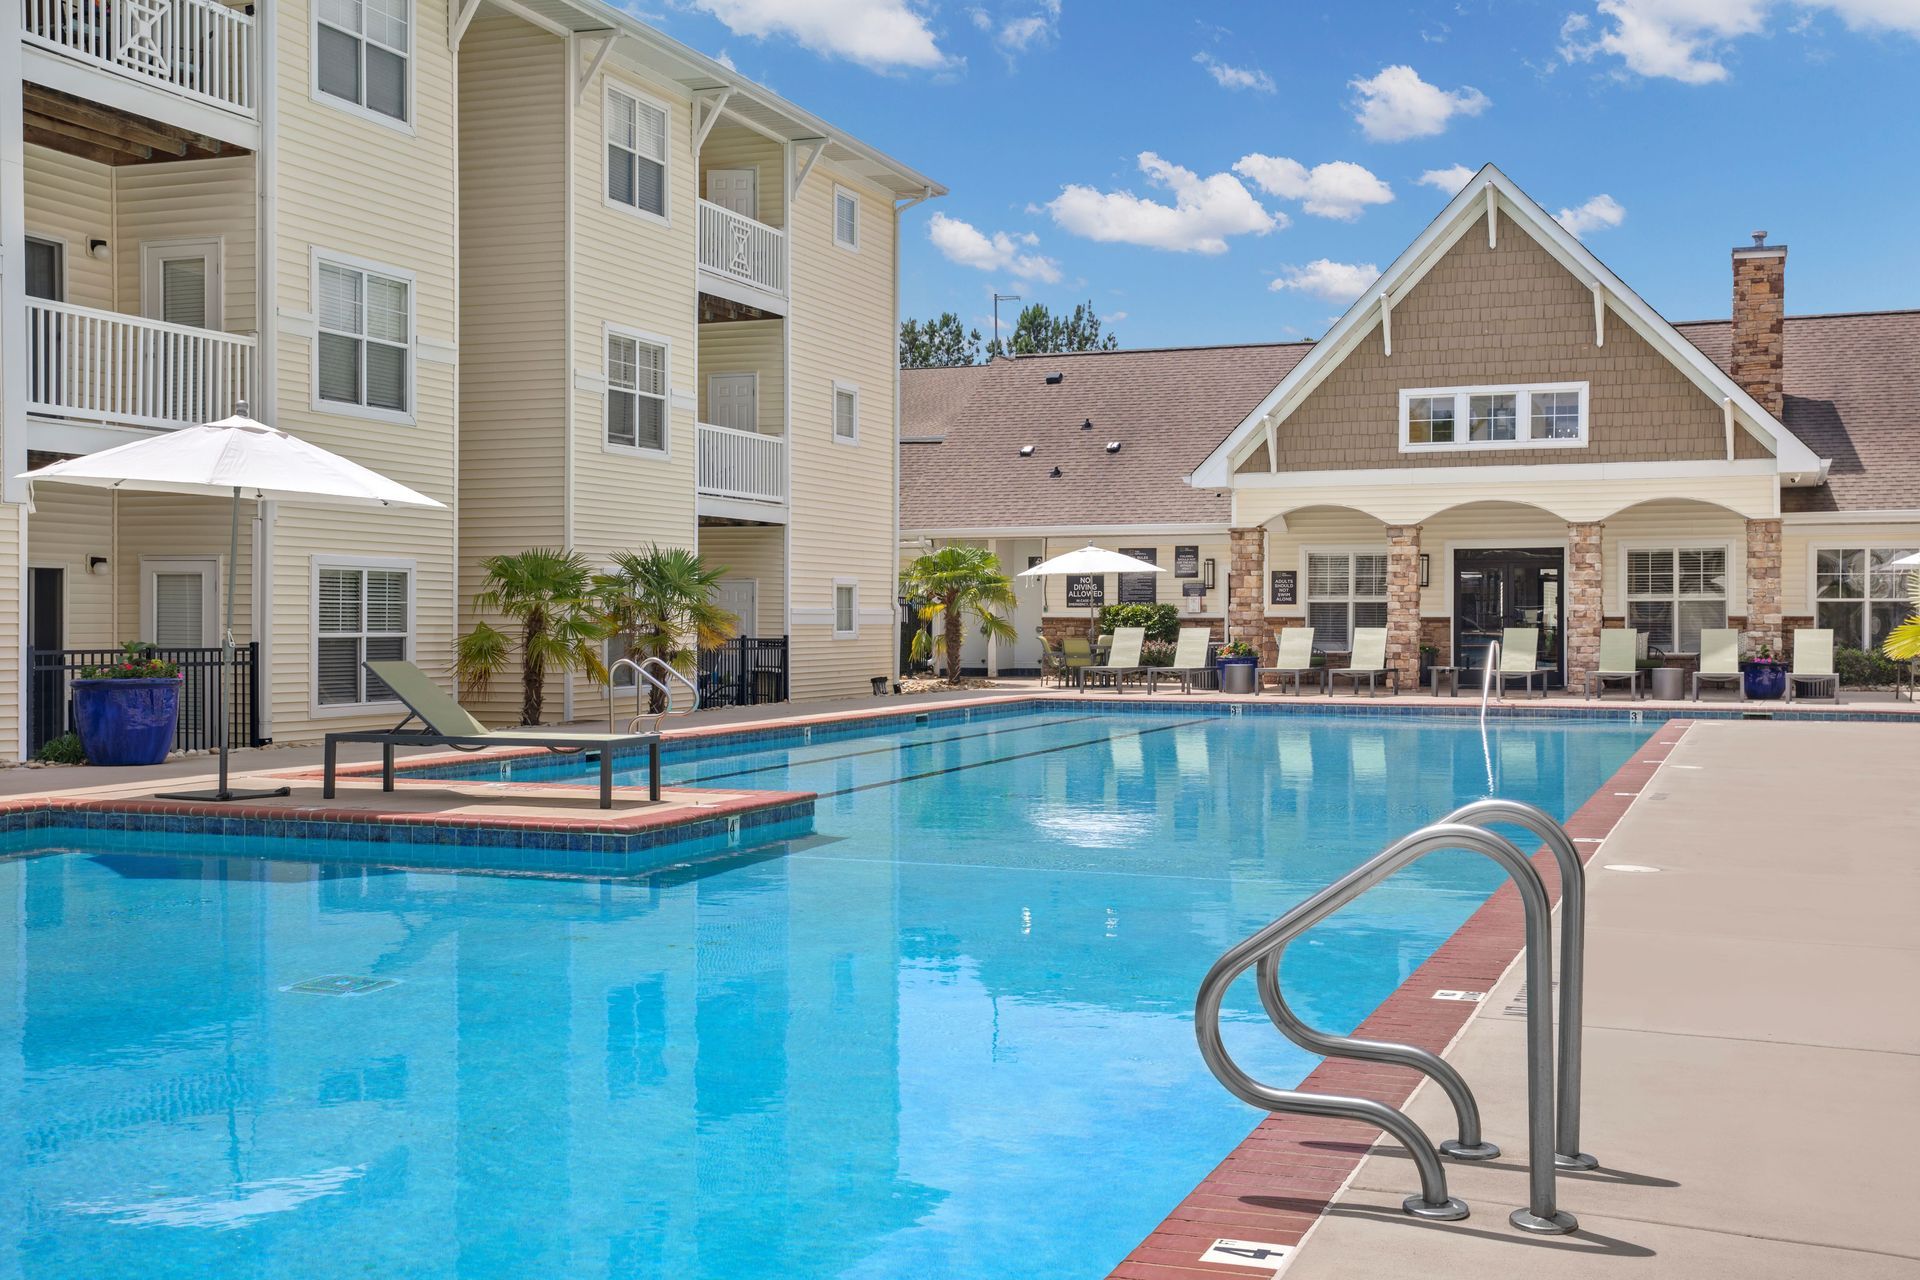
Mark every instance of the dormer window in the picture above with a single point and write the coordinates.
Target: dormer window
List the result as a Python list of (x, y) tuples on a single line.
[(1543, 416)]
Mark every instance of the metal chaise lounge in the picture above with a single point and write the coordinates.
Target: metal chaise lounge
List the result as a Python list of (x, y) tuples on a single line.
[(1189, 660), (1123, 660), (1813, 663), (1293, 657), (1719, 661), (1519, 660), (1619, 660), (1369, 659), (445, 723)]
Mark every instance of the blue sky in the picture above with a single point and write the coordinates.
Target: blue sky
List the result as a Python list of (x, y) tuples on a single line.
[(1173, 162)]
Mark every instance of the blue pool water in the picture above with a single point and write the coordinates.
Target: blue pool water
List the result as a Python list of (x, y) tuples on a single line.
[(948, 1035)]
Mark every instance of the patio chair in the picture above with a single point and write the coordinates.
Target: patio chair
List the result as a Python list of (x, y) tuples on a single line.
[(1123, 660), (1619, 660), (1189, 660), (1075, 655), (1519, 660), (445, 723), (1813, 663), (1293, 658), (1369, 659), (1719, 661)]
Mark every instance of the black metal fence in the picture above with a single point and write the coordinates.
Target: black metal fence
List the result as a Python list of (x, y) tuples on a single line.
[(50, 709), (744, 672)]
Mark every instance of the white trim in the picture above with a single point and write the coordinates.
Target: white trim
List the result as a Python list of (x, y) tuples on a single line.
[(1076, 533), (339, 408), (66, 258), (324, 560), (833, 416), (627, 88), (1300, 597), (1842, 543), (348, 105), (734, 373), (212, 577), (1882, 516), (833, 610), (1522, 394), (707, 186), (1507, 472), (211, 250), (853, 245), (1734, 552), (610, 331)]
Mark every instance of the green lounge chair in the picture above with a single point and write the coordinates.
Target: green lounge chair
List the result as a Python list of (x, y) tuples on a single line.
[(1189, 660), (1369, 659), (1719, 660), (1123, 660), (1519, 659), (445, 723), (1813, 663), (1619, 660), (1293, 658)]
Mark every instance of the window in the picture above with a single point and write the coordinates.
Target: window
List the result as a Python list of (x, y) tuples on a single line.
[(846, 609), (636, 153), (636, 393), (1553, 415), (364, 352), (1858, 593), (846, 413), (1345, 590), (1675, 593), (846, 218), (361, 54), (361, 612)]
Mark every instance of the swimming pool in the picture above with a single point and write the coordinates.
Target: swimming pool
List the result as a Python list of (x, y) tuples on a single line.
[(946, 1035)]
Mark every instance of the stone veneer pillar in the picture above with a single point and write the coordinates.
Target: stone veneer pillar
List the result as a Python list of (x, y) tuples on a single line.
[(1586, 589), (1403, 603), (1246, 600), (1763, 584)]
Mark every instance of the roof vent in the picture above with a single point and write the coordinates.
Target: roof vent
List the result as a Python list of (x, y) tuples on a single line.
[(1087, 425), (1759, 239), (1055, 378), (1113, 446), (1026, 451), (1055, 473)]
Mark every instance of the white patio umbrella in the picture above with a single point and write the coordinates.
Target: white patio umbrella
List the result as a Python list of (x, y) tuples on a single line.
[(1911, 562), (235, 458), (1091, 559)]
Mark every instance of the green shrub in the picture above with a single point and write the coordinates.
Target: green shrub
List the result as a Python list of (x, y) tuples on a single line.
[(1162, 621), (1156, 653), (1862, 669), (65, 749)]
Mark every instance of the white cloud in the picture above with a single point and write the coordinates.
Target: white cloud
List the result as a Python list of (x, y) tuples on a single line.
[(967, 245), (1235, 77), (725, 60), (1018, 35), (881, 35), (1339, 189), (1204, 212), (1447, 181), (1597, 214), (1334, 281), (1397, 104), (1685, 40)]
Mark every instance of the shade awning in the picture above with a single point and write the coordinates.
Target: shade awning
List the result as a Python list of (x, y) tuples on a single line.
[(1091, 559)]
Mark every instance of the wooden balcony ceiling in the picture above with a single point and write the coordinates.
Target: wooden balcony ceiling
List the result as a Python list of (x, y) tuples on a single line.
[(102, 134), (715, 310)]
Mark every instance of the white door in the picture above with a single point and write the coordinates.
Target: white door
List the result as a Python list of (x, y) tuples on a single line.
[(178, 600), (741, 598), (733, 400), (733, 189), (1029, 597), (180, 282)]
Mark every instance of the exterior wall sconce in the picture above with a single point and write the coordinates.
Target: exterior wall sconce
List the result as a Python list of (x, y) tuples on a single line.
[(1207, 571), (97, 248), (97, 566), (1423, 568)]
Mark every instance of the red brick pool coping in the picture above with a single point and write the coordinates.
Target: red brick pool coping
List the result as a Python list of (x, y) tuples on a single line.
[(1274, 1186)]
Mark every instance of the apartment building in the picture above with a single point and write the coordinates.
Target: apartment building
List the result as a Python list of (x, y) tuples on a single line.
[(672, 294)]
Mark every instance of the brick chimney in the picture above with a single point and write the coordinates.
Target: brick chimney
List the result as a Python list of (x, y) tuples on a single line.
[(1759, 320)]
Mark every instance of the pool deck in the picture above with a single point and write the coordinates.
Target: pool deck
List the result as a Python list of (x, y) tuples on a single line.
[(1752, 1047)]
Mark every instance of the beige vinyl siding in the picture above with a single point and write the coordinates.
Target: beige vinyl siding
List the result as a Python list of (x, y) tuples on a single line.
[(1673, 524), (13, 526), (1799, 540), (731, 146), (190, 200), (166, 526), (748, 346), (69, 525), (758, 552), (1324, 528), (842, 502), (514, 380), (71, 200), (354, 186), (1752, 496)]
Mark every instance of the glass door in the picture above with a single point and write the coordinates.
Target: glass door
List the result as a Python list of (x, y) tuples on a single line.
[(1517, 587)]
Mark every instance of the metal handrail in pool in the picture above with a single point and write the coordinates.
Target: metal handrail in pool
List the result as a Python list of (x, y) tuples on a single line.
[(1490, 656), (1264, 949), (643, 676)]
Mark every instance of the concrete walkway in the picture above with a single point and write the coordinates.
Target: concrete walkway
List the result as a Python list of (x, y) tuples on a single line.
[(1753, 1039)]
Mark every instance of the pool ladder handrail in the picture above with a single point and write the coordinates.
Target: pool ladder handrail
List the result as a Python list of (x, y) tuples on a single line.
[(1548, 1134), (644, 677), (1491, 656)]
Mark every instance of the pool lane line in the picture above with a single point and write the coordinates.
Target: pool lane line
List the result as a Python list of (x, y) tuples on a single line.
[(874, 751), (1019, 755)]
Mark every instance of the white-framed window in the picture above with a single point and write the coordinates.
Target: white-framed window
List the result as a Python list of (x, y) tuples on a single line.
[(362, 610), (637, 152), (1675, 593), (846, 219), (362, 56), (1547, 416), (1346, 589), (846, 608), (363, 353), (637, 385), (1858, 594), (846, 413)]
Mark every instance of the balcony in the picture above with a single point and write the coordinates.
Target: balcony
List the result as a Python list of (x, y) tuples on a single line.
[(194, 49), (745, 466), (105, 367), (738, 251)]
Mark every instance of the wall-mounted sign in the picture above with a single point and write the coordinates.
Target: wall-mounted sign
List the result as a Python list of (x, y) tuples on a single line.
[(1186, 562), (1086, 590), (1139, 588), (1286, 586), (1193, 589)]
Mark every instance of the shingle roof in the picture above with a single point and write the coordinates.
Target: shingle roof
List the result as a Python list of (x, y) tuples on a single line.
[(1852, 394), (1168, 408)]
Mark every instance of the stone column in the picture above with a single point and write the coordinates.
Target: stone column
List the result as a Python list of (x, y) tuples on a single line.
[(1586, 588), (1246, 598), (1403, 603), (1763, 584)]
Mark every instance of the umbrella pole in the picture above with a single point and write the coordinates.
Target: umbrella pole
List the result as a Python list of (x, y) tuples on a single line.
[(223, 716)]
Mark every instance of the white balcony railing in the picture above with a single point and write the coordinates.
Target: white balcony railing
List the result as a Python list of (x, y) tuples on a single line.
[(196, 48), (742, 464), (102, 366), (742, 249)]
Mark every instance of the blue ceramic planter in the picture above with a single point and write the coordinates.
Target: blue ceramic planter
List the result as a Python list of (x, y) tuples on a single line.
[(127, 721), (1765, 681)]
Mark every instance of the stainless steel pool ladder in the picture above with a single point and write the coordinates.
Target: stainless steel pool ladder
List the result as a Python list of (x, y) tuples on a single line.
[(1553, 1140), (644, 681), (1491, 657)]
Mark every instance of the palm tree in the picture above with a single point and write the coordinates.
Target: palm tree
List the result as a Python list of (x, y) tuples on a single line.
[(549, 591), (1904, 640), (955, 582), (659, 602)]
